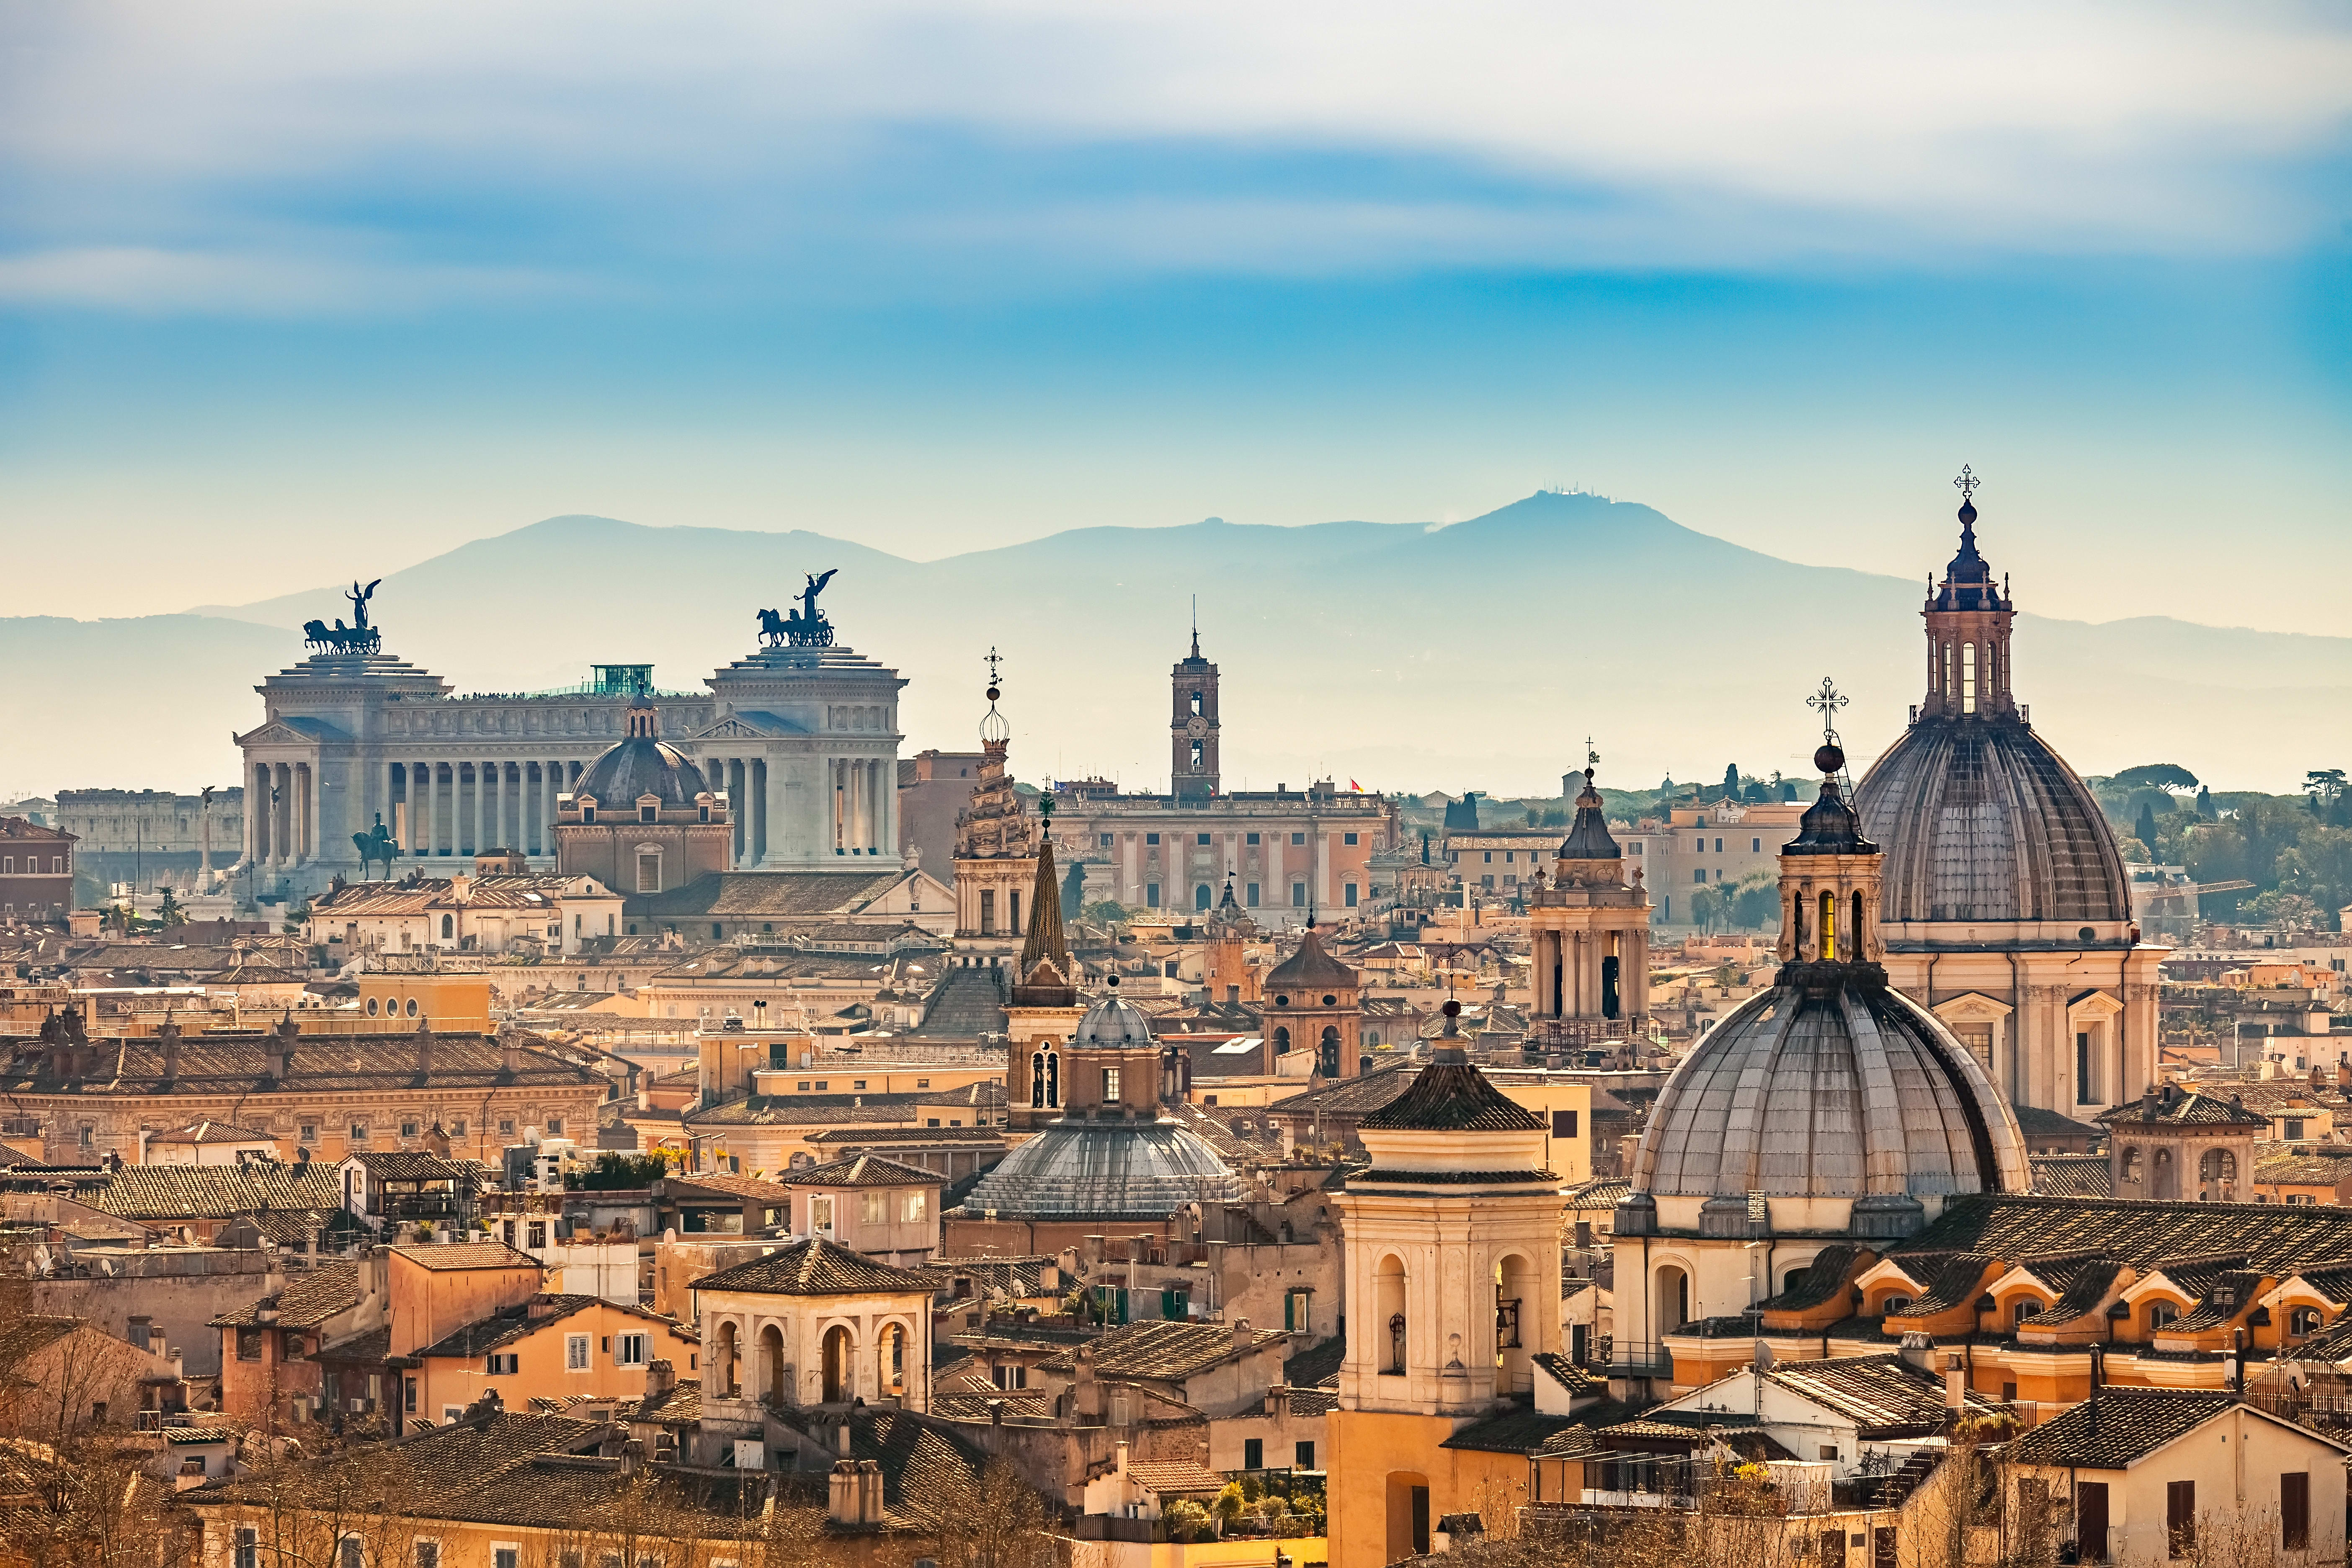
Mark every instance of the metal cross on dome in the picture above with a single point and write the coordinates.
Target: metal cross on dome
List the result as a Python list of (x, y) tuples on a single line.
[(1591, 757), (993, 660), (1827, 700), (1967, 483)]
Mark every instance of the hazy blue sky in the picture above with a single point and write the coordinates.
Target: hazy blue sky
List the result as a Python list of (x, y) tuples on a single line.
[(284, 286)]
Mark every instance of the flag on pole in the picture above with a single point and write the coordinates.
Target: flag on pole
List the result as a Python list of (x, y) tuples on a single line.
[(1355, 788)]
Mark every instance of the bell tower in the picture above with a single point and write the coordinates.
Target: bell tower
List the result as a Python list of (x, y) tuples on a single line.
[(1967, 629), (1192, 726)]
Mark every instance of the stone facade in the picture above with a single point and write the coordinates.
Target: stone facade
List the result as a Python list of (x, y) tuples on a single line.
[(802, 741)]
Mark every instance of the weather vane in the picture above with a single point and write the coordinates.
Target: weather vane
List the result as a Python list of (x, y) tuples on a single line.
[(992, 661), (1967, 483), (1828, 699)]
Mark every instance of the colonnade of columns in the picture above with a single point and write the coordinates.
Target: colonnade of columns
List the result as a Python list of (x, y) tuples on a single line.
[(865, 806), (744, 780), (282, 815), (466, 807)]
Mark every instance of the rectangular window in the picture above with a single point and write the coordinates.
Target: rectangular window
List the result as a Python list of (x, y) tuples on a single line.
[(1253, 1453), (1152, 838), (649, 873), (2294, 1510), (2294, 1127), (857, 1083), (1563, 1123), (1151, 895), (428, 1555), (1699, 875), (633, 1351), (1348, 893), (309, 1132), (869, 1208), (1303, 1456), (2180, 1518), (249, 1547), (248, 1345), (1110, 1086), (987, 912), (1489, 855), (1298, 838), (359, 1131), (506, 1557), (917, 1208), (575, 1353), (1251, 892), (1200, 838), (502, 1364), (408, 1395), (1250, 838), (1104, 840), (1297, 895), (2086, 1090), (408, 1129), (353, 1552), (1348, 838), (538, 1235)]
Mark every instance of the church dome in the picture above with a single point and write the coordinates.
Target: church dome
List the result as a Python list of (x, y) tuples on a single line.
[(1309, 969), (1112, 1023), (641, 766), (1832, 1084), (1981, 820), (1108, 1170)]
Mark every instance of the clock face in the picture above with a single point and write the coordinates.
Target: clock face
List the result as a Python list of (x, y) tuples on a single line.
[(1196, 726)]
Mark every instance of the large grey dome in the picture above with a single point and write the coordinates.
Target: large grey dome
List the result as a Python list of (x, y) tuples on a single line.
[(640, 766), (1830, 1085), (1981, 820), (1108, 1169)]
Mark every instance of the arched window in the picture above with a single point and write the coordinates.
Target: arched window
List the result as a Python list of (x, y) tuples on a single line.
[(1895, 1306), (1968, 677), (772, 1364), (448, 927), (890, 1359), (1281, 1040), (1329, 1050), (1948, 672), (1673, 1299), (1037, 1079), (1829, 927), (1389, 1301), (1854, 931), (1053, 1079), (1201, 896), (840, 1367), (2133, 1165), (725, 1356), (2216, 1172)]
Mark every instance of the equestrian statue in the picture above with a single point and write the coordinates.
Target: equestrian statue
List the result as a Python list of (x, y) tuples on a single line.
[(374, 845), (804, 627), (357, 637)]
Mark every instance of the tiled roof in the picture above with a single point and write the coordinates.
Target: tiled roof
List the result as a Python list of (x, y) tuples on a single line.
[(2074, 1175), (1453, 1097), (2220, 1295), (863, 1135), (2288, 1166), (816, 1109), (1454, 1178), (1171, 1477), (816, 1267), (2081, 1293), (2039, 1122), (2120, 1428), (2271, 1237), (1309, 968), (1602, 1195), (679, 1404), (456, 1254), (245, 1064), (512, 892), (414, 1165), (1874, 1392), (308, 1301), (747, 894), (1829, 1275), (2192, 1109), (1318, 1365), (1955, 1281), (216, 1192), (1164, 1350), (507, 1324), (732, 1186), (212, 1132), (1513, 1431), (1347, 1099), (1314, 1401), (26, 1336), (863, 1170)]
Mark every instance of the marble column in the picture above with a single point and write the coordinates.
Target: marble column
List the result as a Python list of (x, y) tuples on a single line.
[(257, 816), (429, 840)]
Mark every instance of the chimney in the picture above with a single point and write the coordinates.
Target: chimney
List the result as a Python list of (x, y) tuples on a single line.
[(842, 1502), (512, 1064), (632, 1457), (2148, 1103), (869, 1492), (841, 1437), (661, 1376), (1956, 1385), (1243, 1338), (282, 1046), (1122, 1459), (1919, 1351), (424, 1048)]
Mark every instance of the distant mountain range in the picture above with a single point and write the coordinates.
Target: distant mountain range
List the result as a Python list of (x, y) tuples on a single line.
[(1406, 656)]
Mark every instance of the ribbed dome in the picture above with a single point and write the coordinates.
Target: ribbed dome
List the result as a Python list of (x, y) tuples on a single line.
[(1982, 821), (1830, 1085), (1107, 1169), (1113, 1022), (641, 766), (1309, 969)]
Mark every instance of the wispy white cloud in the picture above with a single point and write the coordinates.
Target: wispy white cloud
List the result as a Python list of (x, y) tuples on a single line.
[(147, 280), (1686, 132)]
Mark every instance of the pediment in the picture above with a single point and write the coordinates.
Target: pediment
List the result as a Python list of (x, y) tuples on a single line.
[(1971, 1006), (1887, 1271), (276, 732), (747, 724), (2094, 1005)]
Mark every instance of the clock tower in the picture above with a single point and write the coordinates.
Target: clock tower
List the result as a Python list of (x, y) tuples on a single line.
[(1192, 727)]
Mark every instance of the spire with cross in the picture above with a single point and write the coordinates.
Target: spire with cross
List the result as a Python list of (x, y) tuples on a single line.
[(1826, 702)]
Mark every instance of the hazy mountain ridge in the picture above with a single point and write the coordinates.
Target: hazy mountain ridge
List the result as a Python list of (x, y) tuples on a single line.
[(1407, 655)]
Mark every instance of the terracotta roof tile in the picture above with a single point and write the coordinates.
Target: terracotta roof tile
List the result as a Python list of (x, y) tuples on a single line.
[(308, 1301), (2121, 1427), (863, 1170), (816, 1267), (456, 1254), (1163, 1350)]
